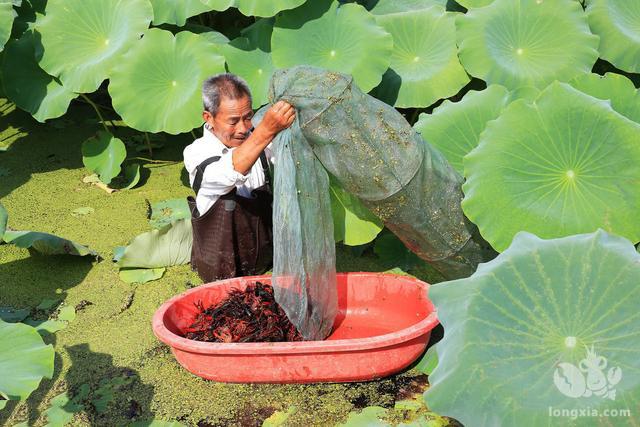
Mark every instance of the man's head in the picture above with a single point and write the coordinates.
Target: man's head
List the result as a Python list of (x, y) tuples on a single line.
[(227, 108)]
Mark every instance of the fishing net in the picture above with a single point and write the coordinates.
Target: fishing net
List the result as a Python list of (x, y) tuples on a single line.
[(376, 156)]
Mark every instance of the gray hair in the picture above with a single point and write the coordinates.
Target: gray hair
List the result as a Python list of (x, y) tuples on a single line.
[(222, 85)]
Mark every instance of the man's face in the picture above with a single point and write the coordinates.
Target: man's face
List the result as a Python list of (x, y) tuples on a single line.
[(232, 123)]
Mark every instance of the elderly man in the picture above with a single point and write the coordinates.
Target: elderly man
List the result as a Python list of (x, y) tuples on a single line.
[(231, 213)]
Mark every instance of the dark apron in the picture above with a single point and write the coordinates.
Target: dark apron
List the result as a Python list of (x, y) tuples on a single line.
[(234, 237)]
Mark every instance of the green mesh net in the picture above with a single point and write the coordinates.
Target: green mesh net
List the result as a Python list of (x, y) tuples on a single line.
[(376, 156)]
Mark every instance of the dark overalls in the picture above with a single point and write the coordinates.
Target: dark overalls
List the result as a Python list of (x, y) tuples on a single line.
[(234, 237)]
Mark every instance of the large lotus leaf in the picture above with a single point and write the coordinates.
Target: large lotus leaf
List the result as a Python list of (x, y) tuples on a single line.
[(526, 42), (6, 20), (386, 7), (259, 33), (176, 11), (253, 65), (454, 128), (141, 275), (47, 244), (562, 165), (28, 86), (103, 155), (549, 325), (168, 246), (82, 40), (471, 4), (24, 360), (157, 85), (617, 22), (4, 216), (353, 223), (624, 97), (261, 8), (342, 38), (424, 63)]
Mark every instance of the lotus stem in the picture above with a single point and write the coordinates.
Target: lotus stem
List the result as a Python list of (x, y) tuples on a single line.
[(95, 107), (149, 147), (168, 162), (193, 134)]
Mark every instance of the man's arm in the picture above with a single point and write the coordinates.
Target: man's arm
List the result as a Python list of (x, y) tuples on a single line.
[(280, 116)]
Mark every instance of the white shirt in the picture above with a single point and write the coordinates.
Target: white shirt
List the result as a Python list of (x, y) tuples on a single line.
[(220, 177)]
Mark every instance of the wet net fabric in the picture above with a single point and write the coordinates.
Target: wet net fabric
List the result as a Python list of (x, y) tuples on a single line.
[(376, 156)]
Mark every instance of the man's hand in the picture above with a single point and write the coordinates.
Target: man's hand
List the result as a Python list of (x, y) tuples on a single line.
[(280, 116)]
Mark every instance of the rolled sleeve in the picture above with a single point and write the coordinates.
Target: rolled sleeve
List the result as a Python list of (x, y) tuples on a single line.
[(220, 177)]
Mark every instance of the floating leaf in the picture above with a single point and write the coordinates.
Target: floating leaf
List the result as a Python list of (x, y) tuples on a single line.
[(526, 42), (4, 217), (617, 22), (83, 39), (67, 313), (345, 39), (7, 14), (12, 315), (63, 407), (47, 304), (624, 97), (28, 85), (47, 244), (253, 65), (83, 211), (392, 251), (24, 360), (103, 155), (163, 213), (48, 326), (368, 417), (131, 176), (528, 315), (171, 245), (454, 128), (157, 86), (424, 63), (279, 418), (255, 7), (563, 165), (176, 11), (353, 223), (141, 275)]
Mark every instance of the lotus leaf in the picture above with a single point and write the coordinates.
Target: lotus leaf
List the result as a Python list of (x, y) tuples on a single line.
[(176, 11), (83, 39), (559, 316), (7, 14), (28, 85), (392, 251), (526, 42), (163, 213), (471, 4), (424, 62), (386, 7), (259, 33), (45, 327), (454, 128), (141, 275), (342, 38), (260, 8), (624, 97), (131, 176), (103, 155), (24, 360), (253, 65), (12, 315), (62, 408), (368, 417), (168, 246), (562, 165), (157, 85), (46, 244), (617, 22), (353, 223)]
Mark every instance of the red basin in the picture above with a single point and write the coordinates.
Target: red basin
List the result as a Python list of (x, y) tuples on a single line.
[(383, 325)]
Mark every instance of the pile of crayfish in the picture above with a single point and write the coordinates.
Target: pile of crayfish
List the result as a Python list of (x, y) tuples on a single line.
[(252, 315)]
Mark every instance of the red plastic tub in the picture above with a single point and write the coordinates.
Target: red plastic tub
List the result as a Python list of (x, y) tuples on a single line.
[(383, 325)]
